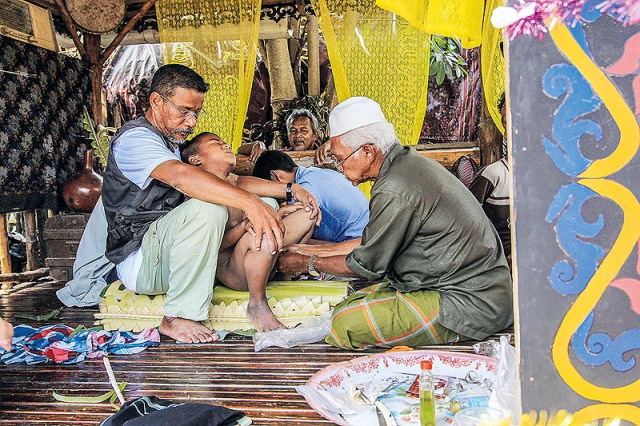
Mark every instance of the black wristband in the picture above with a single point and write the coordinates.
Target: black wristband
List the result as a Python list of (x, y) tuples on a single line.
[(289, 195)]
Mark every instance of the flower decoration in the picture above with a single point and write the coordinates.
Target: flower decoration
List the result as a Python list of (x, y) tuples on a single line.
[(535, 17), (627, 11)]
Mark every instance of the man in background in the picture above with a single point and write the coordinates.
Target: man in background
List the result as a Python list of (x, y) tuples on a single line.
[(492, 187), (302, 135)]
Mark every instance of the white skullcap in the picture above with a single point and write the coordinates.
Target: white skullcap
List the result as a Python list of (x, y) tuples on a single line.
[(354, 113)]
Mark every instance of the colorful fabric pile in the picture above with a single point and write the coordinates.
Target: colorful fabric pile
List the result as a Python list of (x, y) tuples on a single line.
[(58, 343)]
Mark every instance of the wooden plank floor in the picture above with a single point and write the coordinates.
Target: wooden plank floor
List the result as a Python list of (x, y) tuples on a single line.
[(225, 373)]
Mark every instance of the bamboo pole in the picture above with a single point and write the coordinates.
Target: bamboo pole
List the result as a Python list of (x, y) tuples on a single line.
[(283, 87), (5, 259), (25, 276), (31, 239), (313, 43)]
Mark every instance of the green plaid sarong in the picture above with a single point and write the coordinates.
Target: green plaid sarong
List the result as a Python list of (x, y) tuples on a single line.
[(379, 315)]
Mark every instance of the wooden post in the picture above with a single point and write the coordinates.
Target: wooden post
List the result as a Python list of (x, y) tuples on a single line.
[(94, 54), (31, 239), (93, 49), (5, 259), (283, 88), (490, 138), (313, 44)]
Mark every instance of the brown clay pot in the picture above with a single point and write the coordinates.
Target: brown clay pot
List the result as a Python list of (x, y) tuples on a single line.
[(82, 191)]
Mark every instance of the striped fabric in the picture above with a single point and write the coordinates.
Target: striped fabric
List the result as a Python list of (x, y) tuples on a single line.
[(379, 315)]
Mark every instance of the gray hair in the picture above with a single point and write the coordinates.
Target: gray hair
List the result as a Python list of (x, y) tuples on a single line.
[(299, 113), (381, 135)]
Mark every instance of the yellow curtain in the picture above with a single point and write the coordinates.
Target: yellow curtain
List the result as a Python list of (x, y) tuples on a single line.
[(218, 39), (493, 64), (461, 19), (377, 54), (467, 20)]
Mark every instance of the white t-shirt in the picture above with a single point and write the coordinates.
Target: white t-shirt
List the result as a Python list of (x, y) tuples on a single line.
[(137, 153)]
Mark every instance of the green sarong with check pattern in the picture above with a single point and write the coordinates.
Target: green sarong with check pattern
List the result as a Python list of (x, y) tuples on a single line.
[(379, 315)]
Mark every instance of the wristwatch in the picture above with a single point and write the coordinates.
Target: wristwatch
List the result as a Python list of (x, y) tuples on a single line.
[(311, 267), (289, 195)]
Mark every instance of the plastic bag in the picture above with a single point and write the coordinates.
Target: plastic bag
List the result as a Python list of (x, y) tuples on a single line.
[(489, 347), (506, 395), (311, 331)]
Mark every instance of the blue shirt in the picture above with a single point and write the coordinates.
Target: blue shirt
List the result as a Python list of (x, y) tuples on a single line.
[(345, 209)]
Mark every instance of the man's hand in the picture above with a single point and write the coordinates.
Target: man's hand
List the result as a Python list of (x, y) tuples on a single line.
[(256, 151), (290, 208), (321, 155), (265, 222), (304, 249), (292, 263), (308, 201)]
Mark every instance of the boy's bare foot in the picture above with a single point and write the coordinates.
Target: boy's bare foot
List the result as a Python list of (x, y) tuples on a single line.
[(185, 330), (262, 318), (6, 333)]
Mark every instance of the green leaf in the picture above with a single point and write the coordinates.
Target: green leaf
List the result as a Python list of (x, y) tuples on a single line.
[(448, 72), (100, 137), (44, 317), (440, 75), (81, 327), (433, 68), (89, 399)]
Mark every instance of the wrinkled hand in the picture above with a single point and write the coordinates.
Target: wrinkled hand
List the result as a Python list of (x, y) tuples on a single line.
[(308, 201), (256, 152), (292, 263), (265, 222), (321, 155)]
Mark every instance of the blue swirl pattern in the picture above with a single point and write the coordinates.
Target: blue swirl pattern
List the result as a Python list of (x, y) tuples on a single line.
[(599, 348), (571, 276), (567, 130)]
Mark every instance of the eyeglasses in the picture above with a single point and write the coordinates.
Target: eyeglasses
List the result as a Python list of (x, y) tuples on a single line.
[(184, 112), (338, 164)]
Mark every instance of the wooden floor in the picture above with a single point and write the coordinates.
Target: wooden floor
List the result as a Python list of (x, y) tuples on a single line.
[(225, 373)]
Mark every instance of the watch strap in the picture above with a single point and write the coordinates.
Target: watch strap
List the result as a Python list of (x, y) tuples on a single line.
[(289, 194), (311, 267)]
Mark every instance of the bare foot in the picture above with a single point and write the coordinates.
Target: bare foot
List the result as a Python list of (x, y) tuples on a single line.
[(185, 330), (262, 317), (6, 333)]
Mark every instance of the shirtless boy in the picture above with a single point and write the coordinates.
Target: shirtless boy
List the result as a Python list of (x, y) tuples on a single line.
[(240, 266)]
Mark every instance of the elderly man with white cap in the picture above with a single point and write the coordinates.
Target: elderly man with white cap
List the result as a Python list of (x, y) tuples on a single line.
[(443, 270)]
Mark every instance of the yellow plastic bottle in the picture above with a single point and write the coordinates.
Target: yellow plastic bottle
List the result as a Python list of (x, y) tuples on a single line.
[(427, 400)]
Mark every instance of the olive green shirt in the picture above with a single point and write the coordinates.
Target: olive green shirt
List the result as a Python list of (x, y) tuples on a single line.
[(426, 231)]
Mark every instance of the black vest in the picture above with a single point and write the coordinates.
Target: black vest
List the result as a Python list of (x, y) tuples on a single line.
[(129, 209)]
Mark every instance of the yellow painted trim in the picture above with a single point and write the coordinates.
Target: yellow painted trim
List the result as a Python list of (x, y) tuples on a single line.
[(612, 99), (587, 300), (595, 412)]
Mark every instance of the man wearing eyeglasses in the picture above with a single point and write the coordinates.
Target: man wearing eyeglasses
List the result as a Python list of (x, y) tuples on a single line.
[(159, 242), (444, 272)]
